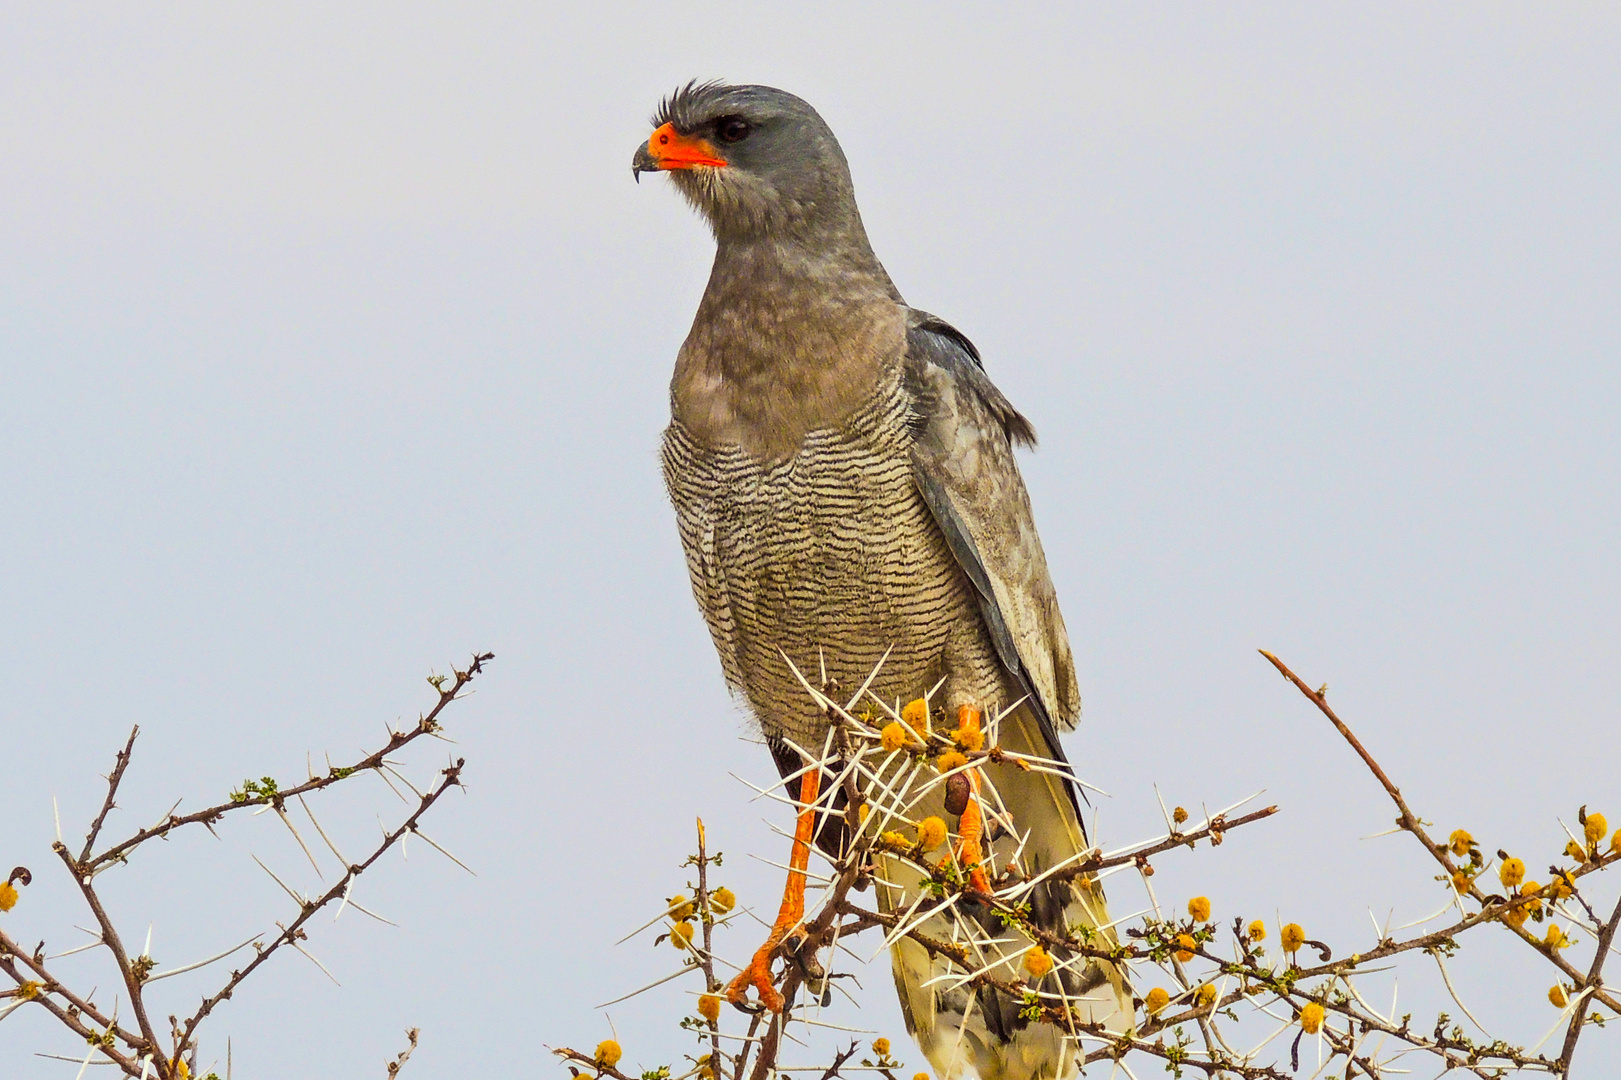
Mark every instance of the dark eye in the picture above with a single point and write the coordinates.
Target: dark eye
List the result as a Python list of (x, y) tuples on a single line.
[(731, 129)]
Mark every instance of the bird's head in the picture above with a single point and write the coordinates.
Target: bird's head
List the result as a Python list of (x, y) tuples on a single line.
[(754, 160)]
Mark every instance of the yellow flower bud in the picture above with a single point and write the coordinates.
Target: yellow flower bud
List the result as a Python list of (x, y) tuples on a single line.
[(28, 991), (1511, 873), (8, 896), (1199, 908), (1257, 930), (951, 759), (608, 1053), (1556, 938), (931, 833), (1184, 947), (1311, 1018), (893, 737), (680, 907), (1037, 962), (1556, 996), (1205, 996), (1595, 829), (969, 738), (880, 1047), (1155, 1002), (723, 900), (1293, 937), (709, 1008), (681, 935), (1459, 842), (916, 715), (1179, 815)]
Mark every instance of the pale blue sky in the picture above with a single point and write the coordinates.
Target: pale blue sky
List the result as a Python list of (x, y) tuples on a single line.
[(334, 345)]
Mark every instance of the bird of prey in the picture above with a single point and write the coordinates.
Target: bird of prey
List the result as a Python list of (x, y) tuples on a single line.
[(845, 490)]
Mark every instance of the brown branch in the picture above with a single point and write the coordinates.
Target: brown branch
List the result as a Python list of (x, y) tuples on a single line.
[(10, 951), (426, 725), (75, 1025), (1593, 979), (1410, 822), (109, 938), (113, 779), (452, 778), (398, 1063)]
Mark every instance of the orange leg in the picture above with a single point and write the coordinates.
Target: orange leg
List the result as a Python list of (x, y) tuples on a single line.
[(758, 973), (971, 825)]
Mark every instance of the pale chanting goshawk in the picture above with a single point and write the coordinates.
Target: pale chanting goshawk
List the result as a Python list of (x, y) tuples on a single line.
[(845, 488)]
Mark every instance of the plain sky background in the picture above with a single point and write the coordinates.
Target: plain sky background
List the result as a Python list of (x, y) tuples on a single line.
[(334, 344)]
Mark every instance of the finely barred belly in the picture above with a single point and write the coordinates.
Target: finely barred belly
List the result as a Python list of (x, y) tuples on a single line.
[(830, 555)]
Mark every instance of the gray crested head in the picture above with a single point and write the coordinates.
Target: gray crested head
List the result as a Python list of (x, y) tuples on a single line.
[(757, 162)]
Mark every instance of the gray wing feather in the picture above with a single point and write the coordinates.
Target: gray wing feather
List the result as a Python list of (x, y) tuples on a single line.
[(963, 462)]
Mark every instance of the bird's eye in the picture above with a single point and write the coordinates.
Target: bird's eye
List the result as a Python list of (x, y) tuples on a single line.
[(732, 129)]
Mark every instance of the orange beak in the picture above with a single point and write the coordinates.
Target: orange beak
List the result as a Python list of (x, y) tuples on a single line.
[(667, 149)]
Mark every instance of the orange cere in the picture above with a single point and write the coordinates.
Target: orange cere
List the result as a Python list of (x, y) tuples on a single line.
[(673, 150)]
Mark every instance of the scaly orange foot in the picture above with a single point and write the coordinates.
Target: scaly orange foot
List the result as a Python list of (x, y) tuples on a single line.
[(758, 973)]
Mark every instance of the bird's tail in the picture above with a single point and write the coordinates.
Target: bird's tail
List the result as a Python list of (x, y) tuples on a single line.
[(1031, 824)]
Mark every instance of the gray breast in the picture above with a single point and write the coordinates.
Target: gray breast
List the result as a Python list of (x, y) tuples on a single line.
[(830, 554)]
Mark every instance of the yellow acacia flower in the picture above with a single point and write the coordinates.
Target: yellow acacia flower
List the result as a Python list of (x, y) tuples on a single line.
[(1595, 829), (969, 738), (723, 900), (1257, 930), (179, 1069), (1556, 996), (1574, 850), (1516, 916), (8, 896), (920, 1076), (680, 907), (1155, 1002), (681, 935), (1459, 842), (880, 1046), (1511, 873), (931, 833), (28, 991), (1199, 908), (863, 812), (1461, 881), (1179, 815), (1037, 962), (1615, 841), (709, 1008), (1206, 995), (608, 1053), (1533, 906), (896, 839), (916, 715), (1561, 888), (1556, 938), (1184, 947), (893, 737), (1293, 937), (951, 759), (1311, 1018)]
